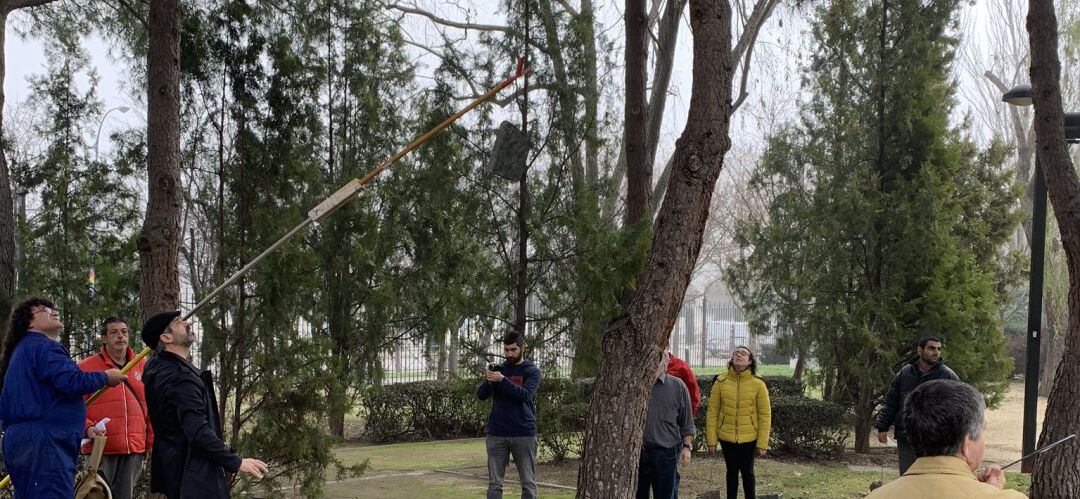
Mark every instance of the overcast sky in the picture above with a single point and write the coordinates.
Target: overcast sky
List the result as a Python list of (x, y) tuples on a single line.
[(774, 83)]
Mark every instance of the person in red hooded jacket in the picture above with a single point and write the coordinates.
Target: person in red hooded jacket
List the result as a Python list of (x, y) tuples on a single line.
[(129, 437), (680, 369)]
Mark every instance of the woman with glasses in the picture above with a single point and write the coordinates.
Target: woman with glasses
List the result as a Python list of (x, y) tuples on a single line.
[(739, 417), (41, 402)]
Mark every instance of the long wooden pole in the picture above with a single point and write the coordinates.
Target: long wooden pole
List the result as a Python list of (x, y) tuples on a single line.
[(328, 206)]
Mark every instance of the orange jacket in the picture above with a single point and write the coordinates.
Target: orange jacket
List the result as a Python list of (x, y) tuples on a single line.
[(128, 431), (680, 369)]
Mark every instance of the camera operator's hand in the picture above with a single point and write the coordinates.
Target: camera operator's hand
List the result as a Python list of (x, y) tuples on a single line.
[(494, 376)]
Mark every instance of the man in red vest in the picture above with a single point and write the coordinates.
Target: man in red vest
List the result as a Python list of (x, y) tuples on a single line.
[(129, 437)]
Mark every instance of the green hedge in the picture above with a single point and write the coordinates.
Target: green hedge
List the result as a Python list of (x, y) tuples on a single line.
[(437, 410), (423, 410), (808, 427), (441, 410)]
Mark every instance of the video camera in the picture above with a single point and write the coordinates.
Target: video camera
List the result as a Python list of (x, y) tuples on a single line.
[(495, 368)]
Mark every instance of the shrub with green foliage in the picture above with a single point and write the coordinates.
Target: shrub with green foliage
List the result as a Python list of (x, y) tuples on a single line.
[(562, 406), (783, 386), (808, 427), (437, 410), (423, 410)]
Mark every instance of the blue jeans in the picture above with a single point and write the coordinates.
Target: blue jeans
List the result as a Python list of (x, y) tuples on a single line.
[(499, 450), (657, 470), (678, 451)]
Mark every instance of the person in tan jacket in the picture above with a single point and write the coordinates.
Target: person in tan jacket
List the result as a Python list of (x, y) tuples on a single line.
[(740, 417), (946, 422)]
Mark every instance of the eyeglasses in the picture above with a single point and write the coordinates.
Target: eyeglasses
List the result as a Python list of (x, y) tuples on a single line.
[(740, 353), (48, 310)]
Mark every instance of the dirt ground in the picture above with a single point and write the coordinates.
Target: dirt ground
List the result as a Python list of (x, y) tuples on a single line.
[(1004, 428)]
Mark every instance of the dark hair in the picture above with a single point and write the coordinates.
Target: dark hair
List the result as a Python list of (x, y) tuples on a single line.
[(112, 320), (18, 326), (753, 360), (940, 414), (514, 337), (925, 339)]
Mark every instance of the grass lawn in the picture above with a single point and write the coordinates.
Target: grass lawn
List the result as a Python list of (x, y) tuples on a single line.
[(407, 471)]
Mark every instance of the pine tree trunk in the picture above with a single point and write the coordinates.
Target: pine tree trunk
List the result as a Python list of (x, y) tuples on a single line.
[(1056, 476), (800, 364), (159, 242), (864, 419), (632, 345), (638, 168), (7, 207)]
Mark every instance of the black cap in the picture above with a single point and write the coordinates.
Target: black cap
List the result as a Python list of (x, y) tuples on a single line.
[(154, 326)]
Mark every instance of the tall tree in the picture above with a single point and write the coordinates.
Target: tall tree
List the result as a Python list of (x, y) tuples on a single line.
[(881, 228), (83, 214), (1056, 477), (159, 241), (7, 208), (633, 344)]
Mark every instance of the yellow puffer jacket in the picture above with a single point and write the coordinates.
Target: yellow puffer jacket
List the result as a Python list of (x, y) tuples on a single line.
[(739, 410)]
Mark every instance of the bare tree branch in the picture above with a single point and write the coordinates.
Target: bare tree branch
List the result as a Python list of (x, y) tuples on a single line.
[(745, 76), (762, 10), (447, 22)]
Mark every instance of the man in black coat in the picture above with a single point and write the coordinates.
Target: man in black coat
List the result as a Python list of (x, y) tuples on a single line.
[(189, 459), (925, 367)]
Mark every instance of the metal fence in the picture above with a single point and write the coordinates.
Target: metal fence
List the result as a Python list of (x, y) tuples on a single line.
[(704, 335)]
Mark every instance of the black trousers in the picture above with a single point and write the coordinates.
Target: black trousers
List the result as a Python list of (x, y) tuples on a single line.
[(739, 458), (656, 472)]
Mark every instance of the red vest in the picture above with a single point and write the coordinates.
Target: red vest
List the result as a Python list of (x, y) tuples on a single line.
[(128, 430)]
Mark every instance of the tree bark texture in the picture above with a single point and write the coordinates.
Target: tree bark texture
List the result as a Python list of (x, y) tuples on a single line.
[(159, 242), (1055, 474), (638, 166), (633, 343), (7, 207)]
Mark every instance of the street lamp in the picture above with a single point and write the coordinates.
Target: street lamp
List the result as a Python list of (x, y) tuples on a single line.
[(1020, 95), (97, 141), (91, 277)]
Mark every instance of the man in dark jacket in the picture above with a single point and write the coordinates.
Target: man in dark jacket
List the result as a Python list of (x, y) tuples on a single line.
[(189, 458), (925, 367), (511, 427)]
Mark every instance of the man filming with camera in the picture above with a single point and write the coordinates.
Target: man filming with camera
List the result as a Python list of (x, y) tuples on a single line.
[(511, 427)]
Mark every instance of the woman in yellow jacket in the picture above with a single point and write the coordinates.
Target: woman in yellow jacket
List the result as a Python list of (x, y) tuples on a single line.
[(739, 416)]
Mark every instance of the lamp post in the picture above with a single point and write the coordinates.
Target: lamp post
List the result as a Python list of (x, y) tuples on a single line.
[(1020, 95), (97, 141), (91, 276)]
